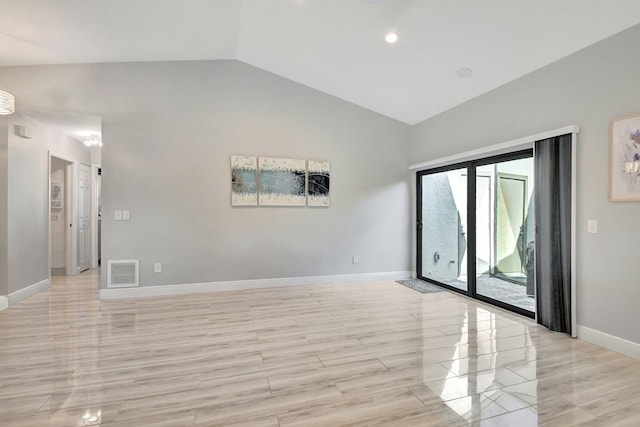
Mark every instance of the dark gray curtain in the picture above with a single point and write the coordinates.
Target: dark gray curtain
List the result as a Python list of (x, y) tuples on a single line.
[(553, 232)]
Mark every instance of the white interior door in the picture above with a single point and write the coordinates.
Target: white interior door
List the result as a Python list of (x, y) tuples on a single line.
[(84, 217)]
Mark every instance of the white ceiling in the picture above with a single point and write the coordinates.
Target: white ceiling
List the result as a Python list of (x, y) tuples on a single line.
[(335, 46)]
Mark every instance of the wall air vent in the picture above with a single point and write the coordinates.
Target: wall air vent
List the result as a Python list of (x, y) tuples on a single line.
[(22, 131), (123, 273)]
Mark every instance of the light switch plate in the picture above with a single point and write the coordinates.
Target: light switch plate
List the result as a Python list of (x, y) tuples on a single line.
[(118, 216), (125, 215), (592, 226)]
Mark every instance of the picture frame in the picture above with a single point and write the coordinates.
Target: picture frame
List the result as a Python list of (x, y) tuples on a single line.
[(270, 181), (57, 195), (624, 177)]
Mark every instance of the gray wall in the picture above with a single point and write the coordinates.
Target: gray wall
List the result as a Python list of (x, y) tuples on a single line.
[(588, 88), (28, 210), (169, 130)]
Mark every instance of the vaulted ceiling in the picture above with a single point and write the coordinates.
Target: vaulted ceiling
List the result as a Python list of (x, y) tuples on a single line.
[(334, 46)]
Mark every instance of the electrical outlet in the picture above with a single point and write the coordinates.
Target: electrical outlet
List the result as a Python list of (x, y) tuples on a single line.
[(356, 259), (157, 267)]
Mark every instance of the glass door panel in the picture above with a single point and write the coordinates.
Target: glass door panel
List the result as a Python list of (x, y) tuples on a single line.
[(505, 232), (444, 228)]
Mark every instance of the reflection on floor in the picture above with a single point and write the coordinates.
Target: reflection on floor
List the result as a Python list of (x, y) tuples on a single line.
[(500, 290), (359, 354)]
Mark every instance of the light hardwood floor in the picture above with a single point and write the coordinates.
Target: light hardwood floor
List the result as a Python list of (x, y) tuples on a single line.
[(361, 354)]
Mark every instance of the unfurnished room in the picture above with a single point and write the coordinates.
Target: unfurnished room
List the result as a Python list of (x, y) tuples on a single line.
[(319, 213)]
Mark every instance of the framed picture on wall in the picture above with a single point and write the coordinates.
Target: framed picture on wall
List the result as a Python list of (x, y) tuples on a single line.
[(56, 195), (624, 182)]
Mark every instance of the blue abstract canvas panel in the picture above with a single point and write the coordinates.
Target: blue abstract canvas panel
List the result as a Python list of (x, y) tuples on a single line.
[(282, 182), (244, 182)]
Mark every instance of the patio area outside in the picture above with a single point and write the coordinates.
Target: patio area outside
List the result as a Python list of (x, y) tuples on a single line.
[(498, 289)]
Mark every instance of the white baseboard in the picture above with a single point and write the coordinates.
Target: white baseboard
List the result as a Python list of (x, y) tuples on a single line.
[(25, 293), (4, 303), (191, 288), (610, 342)]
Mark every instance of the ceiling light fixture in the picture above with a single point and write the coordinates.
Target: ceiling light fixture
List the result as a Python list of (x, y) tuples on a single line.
[(465, 73), (93, 141), (391, 37), (7, 103)]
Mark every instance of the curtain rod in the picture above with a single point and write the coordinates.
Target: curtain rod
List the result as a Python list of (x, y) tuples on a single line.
[(505, 147)]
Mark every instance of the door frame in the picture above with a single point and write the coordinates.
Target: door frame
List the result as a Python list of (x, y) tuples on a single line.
[(71, 215), (471, 166), (94, 214)]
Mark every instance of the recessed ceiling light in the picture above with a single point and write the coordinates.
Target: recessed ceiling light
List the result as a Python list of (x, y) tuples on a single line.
[(465, 73), (88, 133), (391, 37)]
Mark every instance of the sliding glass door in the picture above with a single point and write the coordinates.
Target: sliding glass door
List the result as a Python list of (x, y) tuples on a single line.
[(443, 254), (475, 229)]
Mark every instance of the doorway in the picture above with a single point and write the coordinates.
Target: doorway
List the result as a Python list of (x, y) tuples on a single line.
[(60, 215), (73, 147)]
